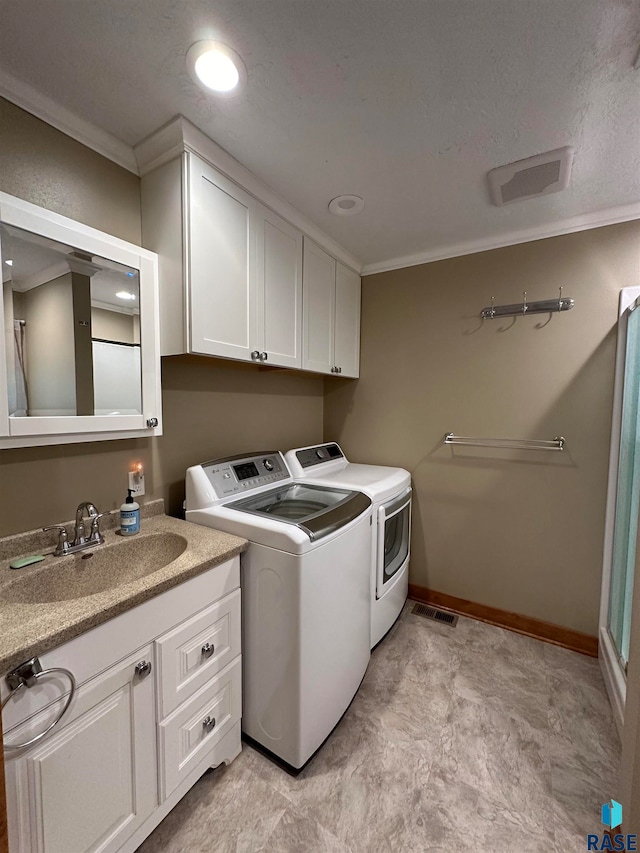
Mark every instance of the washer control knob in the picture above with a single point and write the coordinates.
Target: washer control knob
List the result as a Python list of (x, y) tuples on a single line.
[(268, 464), (319, 454)]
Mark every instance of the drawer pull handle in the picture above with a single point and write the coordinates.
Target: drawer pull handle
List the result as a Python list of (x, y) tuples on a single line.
[(207, 650), (208, 724), (26, 675), (143, 668)]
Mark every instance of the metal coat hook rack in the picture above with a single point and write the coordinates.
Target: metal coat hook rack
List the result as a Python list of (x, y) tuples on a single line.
[(546, 306)]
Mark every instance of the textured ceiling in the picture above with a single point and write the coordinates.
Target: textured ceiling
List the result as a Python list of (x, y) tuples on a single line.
[(407, 103)]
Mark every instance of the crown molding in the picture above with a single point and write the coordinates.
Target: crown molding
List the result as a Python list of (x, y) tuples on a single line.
[(28, 98), (180, 135), (584, 222)]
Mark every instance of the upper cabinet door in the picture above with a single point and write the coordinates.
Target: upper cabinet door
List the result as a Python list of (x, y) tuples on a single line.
[(318, 309), (221, 257), (347, 323), (278, 329)]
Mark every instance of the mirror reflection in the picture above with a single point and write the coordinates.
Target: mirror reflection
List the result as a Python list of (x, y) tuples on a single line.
[(71, 330)]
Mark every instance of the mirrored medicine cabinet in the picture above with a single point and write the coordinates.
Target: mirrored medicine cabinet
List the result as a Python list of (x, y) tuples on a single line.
[(80, 354)]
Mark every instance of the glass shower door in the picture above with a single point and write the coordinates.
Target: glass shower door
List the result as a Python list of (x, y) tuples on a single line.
[(628, 496)]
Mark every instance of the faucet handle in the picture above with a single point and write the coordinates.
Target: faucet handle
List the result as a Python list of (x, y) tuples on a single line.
[(95, 534), (63, 538)]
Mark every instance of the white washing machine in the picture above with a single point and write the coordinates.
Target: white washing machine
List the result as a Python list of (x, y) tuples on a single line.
[(390, 491), (305, 595)]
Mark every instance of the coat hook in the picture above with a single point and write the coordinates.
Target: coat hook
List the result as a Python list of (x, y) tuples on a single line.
[(524, 302), (560, 303), (493, 307)]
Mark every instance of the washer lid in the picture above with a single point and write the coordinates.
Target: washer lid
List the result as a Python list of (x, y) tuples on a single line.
[(316, 510), (378, 481)]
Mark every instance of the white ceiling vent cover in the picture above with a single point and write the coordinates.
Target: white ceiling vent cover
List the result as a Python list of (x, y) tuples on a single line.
[(540, 175)]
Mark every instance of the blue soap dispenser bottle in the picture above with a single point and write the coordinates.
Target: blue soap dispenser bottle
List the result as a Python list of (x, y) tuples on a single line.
[(129, 516)]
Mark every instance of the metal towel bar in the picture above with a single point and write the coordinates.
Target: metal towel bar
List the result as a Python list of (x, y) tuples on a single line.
[(508, 443)]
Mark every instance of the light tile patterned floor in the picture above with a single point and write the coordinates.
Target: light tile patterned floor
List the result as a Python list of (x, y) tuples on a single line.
[(470, 739)]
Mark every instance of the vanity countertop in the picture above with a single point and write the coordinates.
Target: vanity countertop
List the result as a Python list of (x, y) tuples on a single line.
[(28, 629)]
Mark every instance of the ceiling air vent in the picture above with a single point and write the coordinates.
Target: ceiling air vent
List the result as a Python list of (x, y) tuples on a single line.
[(540, 175)]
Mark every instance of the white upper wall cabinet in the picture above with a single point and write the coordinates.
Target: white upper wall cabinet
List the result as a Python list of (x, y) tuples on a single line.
[(231, 269), (347, 321), (331, 314), (80, 350), (278, 331), (220, 239)]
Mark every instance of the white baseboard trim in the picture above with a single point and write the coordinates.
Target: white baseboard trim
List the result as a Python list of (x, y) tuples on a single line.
[(614, 679)]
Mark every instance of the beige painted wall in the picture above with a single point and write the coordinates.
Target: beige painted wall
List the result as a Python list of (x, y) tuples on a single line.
[(45, 167), (113, 326), (518, 531), (215, 408), (50, 356), (211, 407)]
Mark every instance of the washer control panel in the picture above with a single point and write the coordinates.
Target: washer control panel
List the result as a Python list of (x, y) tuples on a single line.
[(238, 474), (316, 455)]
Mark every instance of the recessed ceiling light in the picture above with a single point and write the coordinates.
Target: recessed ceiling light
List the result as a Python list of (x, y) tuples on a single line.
[(9, 263), (216, 67), (123, 294), (346, 205)]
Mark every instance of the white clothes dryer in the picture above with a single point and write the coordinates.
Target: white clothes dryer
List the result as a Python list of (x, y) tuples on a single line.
[(390, 491), (305, 595)]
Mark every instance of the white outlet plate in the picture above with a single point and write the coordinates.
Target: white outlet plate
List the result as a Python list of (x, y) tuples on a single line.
[(136, 483)]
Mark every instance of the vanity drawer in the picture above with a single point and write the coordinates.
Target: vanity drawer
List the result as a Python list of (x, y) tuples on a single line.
[(189, 733), (193, 652)]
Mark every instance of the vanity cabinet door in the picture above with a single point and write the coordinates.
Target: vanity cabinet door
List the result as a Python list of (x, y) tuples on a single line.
[(278, 333), (221, 258), (90, 783)]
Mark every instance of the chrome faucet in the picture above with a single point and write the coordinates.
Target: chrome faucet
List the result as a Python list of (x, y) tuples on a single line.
[(80, 538)]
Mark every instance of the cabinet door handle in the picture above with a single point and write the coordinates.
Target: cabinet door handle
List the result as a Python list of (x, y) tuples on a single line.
[(152, 423), (208, 724), (264, 356), (255, 355), (207, 650), (333, 368), (143, 668), (338, 370)]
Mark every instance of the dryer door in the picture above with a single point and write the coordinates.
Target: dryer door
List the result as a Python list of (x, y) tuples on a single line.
[(394, 535)]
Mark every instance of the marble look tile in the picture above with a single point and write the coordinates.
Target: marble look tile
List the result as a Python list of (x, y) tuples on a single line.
[(407, 691), (563, 663), (228, 810), (462, 818), (577, 799), (585, 737), (506, 672), (502, 758), (568, 840), (360, 787), (294, 833)]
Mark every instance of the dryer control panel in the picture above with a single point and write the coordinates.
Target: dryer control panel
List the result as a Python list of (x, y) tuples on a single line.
[(235, 475), (315, 455)]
